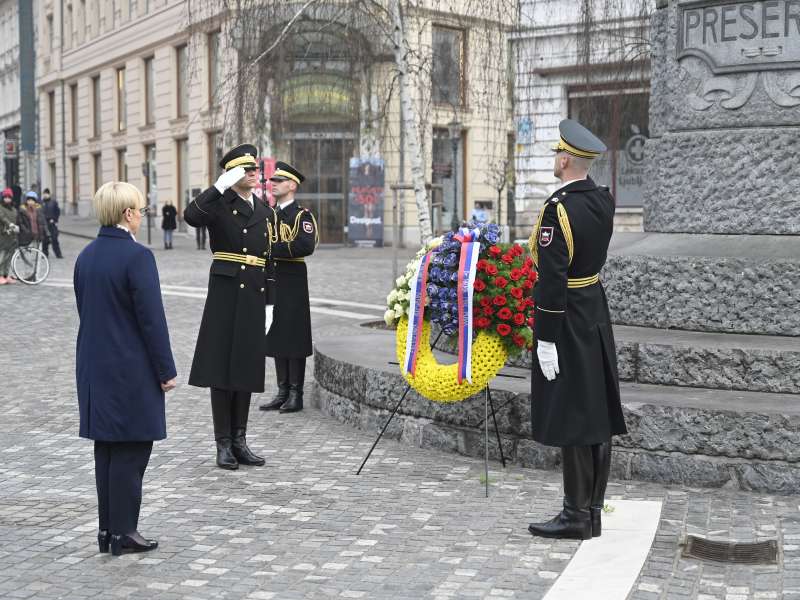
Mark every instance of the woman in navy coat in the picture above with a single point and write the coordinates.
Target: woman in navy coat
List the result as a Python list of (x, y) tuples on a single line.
[(124, 362)]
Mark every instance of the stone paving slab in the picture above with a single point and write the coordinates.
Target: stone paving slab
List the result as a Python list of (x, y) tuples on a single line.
[(414, 525)]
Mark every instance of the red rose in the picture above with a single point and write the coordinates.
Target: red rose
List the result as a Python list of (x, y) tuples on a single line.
[(485, 301), (479, 285), (488, 311), (503, 329), (495, 250), (517, 249), (515, 274), (529, 262), (521, 305), (500, 281), (533, 276), (507, 258), (519, 340), (517, 293), (499, 301), (491, 269), (481, 264), (482, 322), (519, 318), (530, 321), (527, 284), (529, 301), (504, 313), (525, 270)]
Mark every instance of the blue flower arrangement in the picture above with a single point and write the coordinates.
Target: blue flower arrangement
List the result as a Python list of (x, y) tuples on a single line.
[(443, 275)]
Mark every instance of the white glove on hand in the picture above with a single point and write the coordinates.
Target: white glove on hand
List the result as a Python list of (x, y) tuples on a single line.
[(14, 227), (548, 359), (228, 178)]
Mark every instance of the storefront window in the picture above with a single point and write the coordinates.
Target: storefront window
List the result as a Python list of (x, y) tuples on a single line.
[(620, 118)]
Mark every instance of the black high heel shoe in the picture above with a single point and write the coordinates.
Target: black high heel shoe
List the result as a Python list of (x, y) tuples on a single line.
[(126, 543), (103, 539)]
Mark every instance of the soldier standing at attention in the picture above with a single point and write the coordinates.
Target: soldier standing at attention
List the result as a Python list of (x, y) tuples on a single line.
[(289, 338), (575, 385), (229, 356)]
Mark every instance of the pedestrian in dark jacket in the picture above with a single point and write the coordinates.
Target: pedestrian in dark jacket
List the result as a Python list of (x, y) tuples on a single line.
[(51, 214), (35, 218), (124, 362), (8, 235), (169, 223)]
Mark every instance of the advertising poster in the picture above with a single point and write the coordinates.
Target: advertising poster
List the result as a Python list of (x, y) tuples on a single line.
[(365, 202)]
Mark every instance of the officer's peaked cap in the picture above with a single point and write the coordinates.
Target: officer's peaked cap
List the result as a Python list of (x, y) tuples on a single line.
[(578, 141), (244, 155), (284, 171)]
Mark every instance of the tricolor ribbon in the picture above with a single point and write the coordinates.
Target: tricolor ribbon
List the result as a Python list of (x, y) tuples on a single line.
[(470, 249), (416, 311)]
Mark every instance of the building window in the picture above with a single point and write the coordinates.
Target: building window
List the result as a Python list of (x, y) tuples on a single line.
[(449, 58), (214, 69), (51, 119), (50, 33), (215, 153), (150, 173), (97, 116), (448, 163), (182, 79), (619, 117), (73, 112), (67, 33), (97, 172), (122, 110), (74, 173), (51, 173), (122, 164), (182, 147), (149, 91)]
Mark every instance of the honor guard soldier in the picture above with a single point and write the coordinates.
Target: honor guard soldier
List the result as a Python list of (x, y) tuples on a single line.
[(575, 385), (289, 338), (229, 356)]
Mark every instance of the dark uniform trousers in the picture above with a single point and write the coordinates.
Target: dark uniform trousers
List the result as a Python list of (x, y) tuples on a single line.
[(580, 409), (289, 338), (229, 354), (119, 469)]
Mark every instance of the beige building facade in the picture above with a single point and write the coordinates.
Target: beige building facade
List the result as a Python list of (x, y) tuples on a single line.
[(141, 91)]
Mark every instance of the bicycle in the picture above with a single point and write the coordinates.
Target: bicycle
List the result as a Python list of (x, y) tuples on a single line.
[(30, 265)]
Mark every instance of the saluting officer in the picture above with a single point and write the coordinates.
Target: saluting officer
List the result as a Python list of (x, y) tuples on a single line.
[(575, 386), (289, 338), (229, 356)]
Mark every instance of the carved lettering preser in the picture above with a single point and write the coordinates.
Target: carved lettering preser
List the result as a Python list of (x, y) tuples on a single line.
[(741, 36)]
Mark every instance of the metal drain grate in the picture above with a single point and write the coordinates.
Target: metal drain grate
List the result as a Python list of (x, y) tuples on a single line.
[(753, 553)]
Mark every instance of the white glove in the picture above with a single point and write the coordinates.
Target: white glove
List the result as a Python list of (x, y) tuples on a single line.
[(548, 359), (228, 178), (14, 227)]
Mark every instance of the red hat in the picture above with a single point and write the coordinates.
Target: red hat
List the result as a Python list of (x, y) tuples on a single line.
[(8, 193)]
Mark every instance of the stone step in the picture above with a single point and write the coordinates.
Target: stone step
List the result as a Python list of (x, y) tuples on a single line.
[(757, 363), (721, 283), (680, 435)]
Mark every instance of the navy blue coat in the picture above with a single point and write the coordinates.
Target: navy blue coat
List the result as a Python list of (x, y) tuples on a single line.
[(123, 352)]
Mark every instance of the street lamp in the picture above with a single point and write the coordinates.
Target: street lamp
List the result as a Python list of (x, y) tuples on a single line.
[(454, 128)]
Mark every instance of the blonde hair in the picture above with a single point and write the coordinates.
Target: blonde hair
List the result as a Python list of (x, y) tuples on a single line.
[(111, 200)]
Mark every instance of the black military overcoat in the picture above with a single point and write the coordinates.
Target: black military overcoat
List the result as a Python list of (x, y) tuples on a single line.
[(290, 334), (230, 345), (581, 406)]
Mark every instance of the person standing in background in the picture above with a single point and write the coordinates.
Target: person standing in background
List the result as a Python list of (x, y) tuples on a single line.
[(169, 222), (8, 235), (51, 214)]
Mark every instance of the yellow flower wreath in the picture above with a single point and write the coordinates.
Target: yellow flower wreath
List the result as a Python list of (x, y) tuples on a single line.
[(440, 382)]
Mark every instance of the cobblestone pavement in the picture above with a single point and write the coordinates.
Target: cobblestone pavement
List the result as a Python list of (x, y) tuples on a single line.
[(414, 525)]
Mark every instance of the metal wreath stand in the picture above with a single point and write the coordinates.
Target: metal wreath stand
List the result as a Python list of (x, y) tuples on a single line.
[(487, 404)]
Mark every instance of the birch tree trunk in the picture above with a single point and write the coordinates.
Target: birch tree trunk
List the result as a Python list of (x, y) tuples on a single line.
[(408, 114)]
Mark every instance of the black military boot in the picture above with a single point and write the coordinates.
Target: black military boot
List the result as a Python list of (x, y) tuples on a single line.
[(295, 401), (240, 413), (601, 461), (221, 413), (282, 376), (574, 521)]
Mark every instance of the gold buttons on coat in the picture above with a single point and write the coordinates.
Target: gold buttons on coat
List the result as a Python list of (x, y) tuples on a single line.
[(244, 230), (241, 285), (242, 267), (244, 249), (234, 212), (262, 289), (265, 253)]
